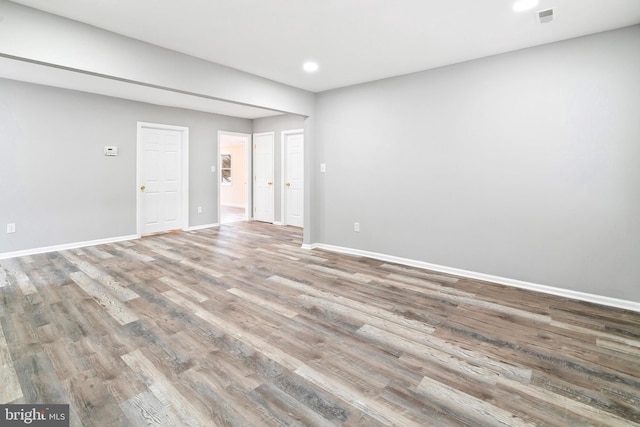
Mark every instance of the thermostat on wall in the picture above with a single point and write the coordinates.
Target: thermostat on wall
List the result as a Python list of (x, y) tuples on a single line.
[(110, 151)]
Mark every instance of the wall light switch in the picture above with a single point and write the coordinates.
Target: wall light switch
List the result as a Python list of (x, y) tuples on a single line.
[(110, 150), (323, 167), (199, 209), (11, 228), (213, 169)]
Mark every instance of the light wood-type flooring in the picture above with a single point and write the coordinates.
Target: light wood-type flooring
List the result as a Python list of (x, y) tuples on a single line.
[(240, 326), (231, 214)]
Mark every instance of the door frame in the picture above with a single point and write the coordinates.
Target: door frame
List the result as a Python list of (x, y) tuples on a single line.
[(283, 171), (184, 172), (248, 172)]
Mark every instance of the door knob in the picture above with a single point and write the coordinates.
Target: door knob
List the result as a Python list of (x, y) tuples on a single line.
[(270, 183), (288, 184), (142, 187)]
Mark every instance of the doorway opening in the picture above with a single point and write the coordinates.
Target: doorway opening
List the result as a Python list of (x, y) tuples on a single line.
[(234, 183)]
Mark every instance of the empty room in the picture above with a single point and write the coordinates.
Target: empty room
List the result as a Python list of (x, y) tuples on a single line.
[(320, 213)]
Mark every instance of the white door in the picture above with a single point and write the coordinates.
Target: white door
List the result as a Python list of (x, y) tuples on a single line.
[(294, 179), (263, 193), (160, 179)]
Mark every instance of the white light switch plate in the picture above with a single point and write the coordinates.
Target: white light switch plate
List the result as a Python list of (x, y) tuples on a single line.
[(110, 150), (323, 167)]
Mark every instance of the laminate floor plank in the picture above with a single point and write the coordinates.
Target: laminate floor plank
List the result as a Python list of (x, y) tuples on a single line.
[(240, 326), (10, 389), (15, 270)]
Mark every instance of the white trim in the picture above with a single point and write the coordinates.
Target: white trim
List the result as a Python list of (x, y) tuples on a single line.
[(283, 136), (202, 227), (566, 293), (184, 172), (234, 205), (278, 223), (66, 246), (248, 171)]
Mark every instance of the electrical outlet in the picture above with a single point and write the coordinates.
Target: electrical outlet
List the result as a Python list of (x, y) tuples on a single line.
[(199, 209), (356, 227), (11, 228)]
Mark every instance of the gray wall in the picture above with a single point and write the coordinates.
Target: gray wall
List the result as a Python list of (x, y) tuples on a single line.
[(55, 182), (522, 165), (277, 124)]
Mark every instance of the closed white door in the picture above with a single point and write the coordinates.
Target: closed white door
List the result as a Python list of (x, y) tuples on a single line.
[(294, 179), (263, 193), (159, 177)]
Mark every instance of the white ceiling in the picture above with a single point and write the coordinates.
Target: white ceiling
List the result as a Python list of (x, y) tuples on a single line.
[(354, 41)]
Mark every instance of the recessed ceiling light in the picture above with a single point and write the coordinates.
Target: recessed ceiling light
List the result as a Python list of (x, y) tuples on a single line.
[(310, 67), (522, 5)]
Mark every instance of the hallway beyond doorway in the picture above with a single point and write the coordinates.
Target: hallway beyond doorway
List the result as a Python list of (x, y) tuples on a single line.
[(230, 214)]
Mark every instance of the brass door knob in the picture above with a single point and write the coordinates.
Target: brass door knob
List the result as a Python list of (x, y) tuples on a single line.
[(142, 187), (288, 184), (270, 183)]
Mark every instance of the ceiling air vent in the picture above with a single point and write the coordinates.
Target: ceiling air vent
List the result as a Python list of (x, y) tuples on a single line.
[(545, 16)]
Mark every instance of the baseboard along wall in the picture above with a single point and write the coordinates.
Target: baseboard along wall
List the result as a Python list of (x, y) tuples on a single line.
[(566, 293), (66, 246)]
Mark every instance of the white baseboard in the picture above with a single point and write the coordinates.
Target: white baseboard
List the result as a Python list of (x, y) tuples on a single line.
[(277, 223), (567, 293), (66, 246), (202, 227)]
